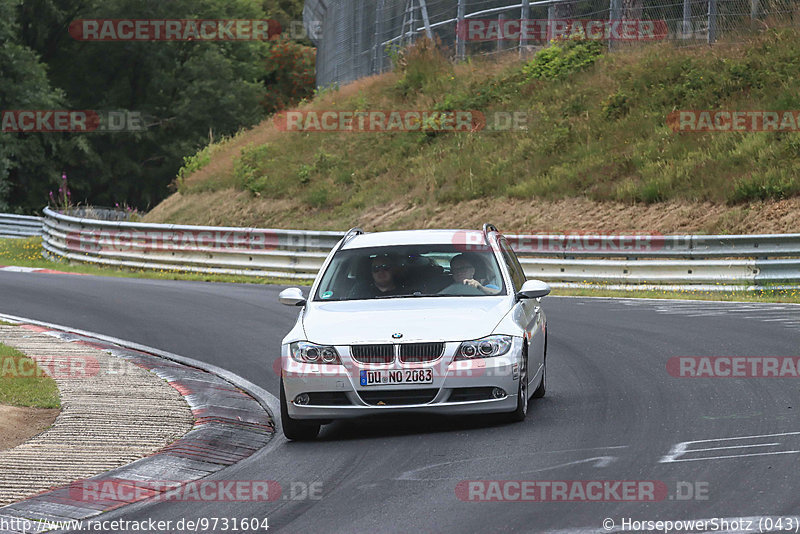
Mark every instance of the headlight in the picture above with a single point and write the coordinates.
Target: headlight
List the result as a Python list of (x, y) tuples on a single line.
[(305, 352), (487, 347)]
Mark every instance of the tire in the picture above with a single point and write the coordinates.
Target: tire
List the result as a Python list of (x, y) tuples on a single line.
[(294, 429), (518, 415), (540, 391)]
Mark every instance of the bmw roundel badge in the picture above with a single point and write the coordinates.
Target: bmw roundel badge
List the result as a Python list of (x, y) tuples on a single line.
[(397, 335)]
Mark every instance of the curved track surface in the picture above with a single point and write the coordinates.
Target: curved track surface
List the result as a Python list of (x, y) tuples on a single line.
[(612, 412)]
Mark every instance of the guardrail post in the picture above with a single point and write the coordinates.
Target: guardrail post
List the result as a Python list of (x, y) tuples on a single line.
[(461, 49)]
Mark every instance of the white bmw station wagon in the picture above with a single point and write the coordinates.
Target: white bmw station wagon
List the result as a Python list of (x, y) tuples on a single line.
[(440, 321)]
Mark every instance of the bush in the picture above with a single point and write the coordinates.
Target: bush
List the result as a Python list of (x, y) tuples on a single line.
[(423, 66), (290, 77), (562, 58)]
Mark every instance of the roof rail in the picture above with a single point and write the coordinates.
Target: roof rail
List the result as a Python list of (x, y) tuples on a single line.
[(352, 232), (489, 227)]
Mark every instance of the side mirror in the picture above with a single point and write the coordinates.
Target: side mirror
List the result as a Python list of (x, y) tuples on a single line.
[(291, 296), (533, 289)]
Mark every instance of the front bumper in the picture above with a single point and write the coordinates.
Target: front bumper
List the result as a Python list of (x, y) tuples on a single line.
[(464, 387)]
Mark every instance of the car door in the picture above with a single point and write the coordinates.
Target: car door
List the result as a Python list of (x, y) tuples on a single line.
[(527, 314)]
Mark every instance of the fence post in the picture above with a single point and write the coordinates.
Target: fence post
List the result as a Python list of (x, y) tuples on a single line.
[(461, 48), (687, 19), (712, 21), (358, 69), (753, 10), (425, 20), (551, 15), (525, 15), (501, 41), (379, 37), (614, 13)]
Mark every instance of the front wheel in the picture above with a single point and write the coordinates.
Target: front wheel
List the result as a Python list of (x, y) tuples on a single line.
[(540, 391), (294, 429), (519, 414)]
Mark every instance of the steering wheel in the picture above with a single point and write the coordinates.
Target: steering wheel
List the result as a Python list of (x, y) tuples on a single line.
[(460, 289)]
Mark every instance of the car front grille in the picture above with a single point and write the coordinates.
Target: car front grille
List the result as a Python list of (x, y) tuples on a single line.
[(398, 396), (420, 352), (372, 353)]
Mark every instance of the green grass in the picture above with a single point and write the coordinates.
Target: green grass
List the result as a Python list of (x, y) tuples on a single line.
[(28, 253), (19, 389), (597, 128)]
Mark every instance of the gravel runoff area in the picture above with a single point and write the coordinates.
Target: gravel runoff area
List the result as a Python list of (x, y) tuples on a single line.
[(113, 412)]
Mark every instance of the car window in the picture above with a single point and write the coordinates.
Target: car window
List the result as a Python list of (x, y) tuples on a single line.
[(514, 268), (411, 271)]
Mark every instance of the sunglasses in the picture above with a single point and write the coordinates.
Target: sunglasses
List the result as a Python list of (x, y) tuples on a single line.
[(382, 267)]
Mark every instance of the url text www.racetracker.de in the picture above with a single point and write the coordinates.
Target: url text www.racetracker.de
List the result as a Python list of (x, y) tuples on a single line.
[(199, 524)]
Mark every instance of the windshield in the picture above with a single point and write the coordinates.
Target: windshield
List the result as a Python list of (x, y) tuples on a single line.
[(411, 271)]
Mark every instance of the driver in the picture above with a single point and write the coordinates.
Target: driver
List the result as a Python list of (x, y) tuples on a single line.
[(384, 282), (463, 269)]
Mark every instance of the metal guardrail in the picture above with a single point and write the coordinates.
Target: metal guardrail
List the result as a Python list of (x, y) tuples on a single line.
[(16, 226), (701, 262)]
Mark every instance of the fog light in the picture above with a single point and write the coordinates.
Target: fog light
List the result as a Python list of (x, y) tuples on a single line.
[(498, 393), (302, 399)]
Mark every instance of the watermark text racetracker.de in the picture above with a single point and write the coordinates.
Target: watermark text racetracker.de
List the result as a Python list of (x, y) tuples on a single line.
[(130, 491), (70, 366), (387, 121), (71, 121), (734, 121), (734, 366), (288, 368), (174, 29), (192, 30), (577, 242), (579, 491), (188, 240), (544, 30), (65, 367)]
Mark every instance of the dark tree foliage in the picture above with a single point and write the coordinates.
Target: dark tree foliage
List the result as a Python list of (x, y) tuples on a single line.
[(187, 92)]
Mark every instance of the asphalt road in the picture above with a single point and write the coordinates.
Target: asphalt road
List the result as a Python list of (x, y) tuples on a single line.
[(612, 412)]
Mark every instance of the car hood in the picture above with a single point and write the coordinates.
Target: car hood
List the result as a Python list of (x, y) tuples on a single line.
[(417, 319)]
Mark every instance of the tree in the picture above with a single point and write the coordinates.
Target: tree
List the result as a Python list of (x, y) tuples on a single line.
[(28, 162), (188, 89)]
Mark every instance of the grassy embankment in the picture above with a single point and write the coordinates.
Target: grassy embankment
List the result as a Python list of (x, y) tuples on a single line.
[(598, 155)]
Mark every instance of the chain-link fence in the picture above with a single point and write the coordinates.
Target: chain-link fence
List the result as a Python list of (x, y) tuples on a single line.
[(356, 38)]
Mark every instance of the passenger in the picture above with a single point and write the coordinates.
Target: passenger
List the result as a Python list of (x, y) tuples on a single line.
[(463, 268)]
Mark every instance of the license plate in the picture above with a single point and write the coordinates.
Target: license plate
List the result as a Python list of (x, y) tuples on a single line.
[(390, 377)]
